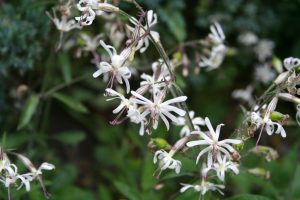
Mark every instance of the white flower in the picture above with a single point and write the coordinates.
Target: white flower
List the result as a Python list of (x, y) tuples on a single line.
[(63, 25), (159, 109), (264, 73), (124, 104), (264, 49), (214, 146), (90, 44), (245, 95), (166, 160), (143, 43), (150, 83), (223, 165), (115, 67), (217, 35), (203, 188), (87, 8), (267, 124), (215, 59), (290, 63), (197, 122), (248, 38)]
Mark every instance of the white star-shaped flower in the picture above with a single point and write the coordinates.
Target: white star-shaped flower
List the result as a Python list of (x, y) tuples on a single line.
[(116, 67), (166, 160), (223, 165), (159, 109), (143, 43), (214, 146)]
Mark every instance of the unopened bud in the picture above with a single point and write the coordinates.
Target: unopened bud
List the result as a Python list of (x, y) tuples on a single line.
[(260, 172), (277, 116), (107, 7), (289, 97), (269, 153), (281, 77), (159, 143), (277, 64)]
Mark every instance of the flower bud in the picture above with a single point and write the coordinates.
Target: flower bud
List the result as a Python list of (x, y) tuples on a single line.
[(277, 116), (260, 172), (289, 97)]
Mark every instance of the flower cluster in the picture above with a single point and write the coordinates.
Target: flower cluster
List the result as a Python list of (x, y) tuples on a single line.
[(10, 176), (218, 49), (150, 102)]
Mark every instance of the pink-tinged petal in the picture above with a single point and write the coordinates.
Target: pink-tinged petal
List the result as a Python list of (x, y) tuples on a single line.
[(170, 116), (202, 152), (141, 97), (223, 150), (165, 121), (205, 137), (210, 128), (97, 73), (209, 159), (227, 146), (185, 187), (119, 108), (175, 100), (231, 141), (179, 111), (127, 85), (196, 143), (234, 168), (218, 131)]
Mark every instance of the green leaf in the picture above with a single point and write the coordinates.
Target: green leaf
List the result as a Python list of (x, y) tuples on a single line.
[(71, 137), (28, 111), (148, 180), (127, 191), (71, 102), (65, 67), (175, 23), (248, 197)]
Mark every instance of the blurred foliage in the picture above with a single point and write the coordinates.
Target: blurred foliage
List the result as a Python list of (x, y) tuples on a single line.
[(53, 110)]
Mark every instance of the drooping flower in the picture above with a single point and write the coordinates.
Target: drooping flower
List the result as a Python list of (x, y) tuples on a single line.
[(264, 73), (245, 95), (223, 165), (203, 188), (217, 35), (90, 44), (87, 8), (267, 124), (214, 146), (63, 25), (248, 38), (290, 63), (116, 67), (166, 161), (264, 49), (196, 121), (215, 59), (143, 43), (159, 109)]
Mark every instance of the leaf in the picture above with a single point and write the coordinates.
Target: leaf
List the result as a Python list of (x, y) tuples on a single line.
[(71, 137), (71, 102), (65, 67), (127, 191), (148, 180), (248, 197), (175, 23), (28, 111)]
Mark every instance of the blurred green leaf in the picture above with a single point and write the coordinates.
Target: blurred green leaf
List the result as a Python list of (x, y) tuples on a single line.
[(71, 102), (248, 197), (28, 111), (127, 191), (71, 137), (175, 22), (148, 180), (65, 67)]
